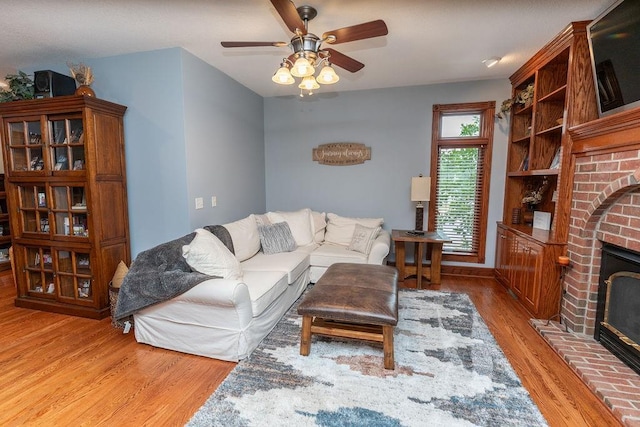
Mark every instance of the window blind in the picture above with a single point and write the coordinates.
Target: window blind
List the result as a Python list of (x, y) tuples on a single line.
[(458, 192)]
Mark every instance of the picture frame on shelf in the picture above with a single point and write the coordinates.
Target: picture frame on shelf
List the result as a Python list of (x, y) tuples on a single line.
[(542, 220), (555, 163), (524, 165)]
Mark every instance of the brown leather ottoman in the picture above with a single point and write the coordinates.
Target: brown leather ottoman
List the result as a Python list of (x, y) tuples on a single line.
[(357, 301)]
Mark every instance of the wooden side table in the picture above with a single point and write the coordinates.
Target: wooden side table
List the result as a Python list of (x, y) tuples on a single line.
[(430, 243)]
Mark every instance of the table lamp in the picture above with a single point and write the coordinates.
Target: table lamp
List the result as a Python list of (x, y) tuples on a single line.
[(420, 192)]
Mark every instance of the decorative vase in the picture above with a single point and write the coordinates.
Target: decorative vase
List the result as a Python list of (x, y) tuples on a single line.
[(85, 90), (527, 215)]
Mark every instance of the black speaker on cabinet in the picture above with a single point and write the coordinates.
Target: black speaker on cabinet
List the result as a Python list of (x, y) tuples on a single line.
[(48, 83)]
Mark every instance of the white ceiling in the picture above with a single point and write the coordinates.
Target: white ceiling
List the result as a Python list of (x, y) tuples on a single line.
[(429, 41)]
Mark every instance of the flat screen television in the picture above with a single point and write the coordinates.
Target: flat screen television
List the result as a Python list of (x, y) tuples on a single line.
[(614, 41)]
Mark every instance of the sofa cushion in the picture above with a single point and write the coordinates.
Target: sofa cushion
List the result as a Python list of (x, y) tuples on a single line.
[(264, 288), (299, 223), (276, 238), (328, 254), (363, 238), (244, 234), (340, 229), (291, 263), (206, 254), (319, 225)]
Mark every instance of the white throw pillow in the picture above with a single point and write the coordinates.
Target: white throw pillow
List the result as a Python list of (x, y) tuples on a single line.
[(363, 238), (340, 229), (244, 234), (206, 254), (299, 223), (319, 224)]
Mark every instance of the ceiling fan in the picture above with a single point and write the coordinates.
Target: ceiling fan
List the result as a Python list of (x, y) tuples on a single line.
[(308, 52)]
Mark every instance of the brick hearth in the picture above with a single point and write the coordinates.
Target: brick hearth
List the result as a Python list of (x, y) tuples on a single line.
[(610, 379)]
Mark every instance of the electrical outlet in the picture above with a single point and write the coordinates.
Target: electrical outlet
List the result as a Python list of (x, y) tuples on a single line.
[(214, 201), (199, 203)]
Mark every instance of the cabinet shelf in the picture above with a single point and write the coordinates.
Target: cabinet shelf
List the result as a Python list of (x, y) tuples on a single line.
[(558, 95), (553, 129), (534, 172), (524, 111)]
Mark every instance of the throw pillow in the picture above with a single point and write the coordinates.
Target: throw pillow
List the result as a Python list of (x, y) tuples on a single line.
[(244, 234), (363, 238), (206, 254), (299, 223), (262, 219), (276, 238), (340, 229), (319, 223), (118, 276)]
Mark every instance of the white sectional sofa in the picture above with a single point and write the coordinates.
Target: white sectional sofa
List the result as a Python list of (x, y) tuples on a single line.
[(226, 318)]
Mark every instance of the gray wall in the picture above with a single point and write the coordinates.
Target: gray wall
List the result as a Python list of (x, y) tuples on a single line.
[(190, 131), (396, 124)]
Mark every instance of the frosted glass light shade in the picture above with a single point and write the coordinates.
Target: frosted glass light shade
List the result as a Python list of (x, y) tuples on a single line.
[(283, 77), (302, 68), (420, 188), (308, 83), (327, 76)]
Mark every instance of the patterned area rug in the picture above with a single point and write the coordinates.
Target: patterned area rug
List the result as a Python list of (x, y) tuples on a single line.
[(449, 372)]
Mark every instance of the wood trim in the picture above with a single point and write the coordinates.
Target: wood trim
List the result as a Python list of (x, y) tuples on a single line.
[(617, 132), (548, 52), (455, 270)]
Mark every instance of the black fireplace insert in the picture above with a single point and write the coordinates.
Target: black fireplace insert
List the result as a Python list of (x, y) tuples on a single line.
[(618, 307)]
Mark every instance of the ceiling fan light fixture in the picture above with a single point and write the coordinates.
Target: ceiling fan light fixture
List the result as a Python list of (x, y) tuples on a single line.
[(309, 83), (490, 62), (327, 76), (283, 76), (302, 68)]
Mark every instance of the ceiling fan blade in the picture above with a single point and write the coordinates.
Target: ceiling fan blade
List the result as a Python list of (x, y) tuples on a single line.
[(289, 14), (358, 32), (344, 61), (251, 44)]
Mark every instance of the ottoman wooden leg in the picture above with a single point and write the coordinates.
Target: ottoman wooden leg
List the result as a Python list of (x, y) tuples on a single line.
[(387, 347), (305, 336)]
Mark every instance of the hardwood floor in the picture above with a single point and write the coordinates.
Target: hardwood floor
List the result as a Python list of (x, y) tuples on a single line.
[(63, 370)]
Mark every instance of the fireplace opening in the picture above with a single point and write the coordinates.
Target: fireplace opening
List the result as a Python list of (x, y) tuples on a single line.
[(618, 306)]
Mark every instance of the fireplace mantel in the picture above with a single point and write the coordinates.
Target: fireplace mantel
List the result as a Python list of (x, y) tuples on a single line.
[(608, 134)]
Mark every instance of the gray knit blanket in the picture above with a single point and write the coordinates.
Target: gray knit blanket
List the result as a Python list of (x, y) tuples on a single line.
[(161, 273)]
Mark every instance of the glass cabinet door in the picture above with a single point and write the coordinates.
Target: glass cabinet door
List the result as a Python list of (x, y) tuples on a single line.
[(39, 271), (25, 143), (70, 210), (58, 274), (67, 144), (74, 274), (33, 207)]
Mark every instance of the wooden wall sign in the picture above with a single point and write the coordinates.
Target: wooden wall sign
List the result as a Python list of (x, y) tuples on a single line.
[(341, 154)]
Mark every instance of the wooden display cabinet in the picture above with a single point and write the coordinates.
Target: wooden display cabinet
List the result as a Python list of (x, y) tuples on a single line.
[(66, 183), (538, 157)]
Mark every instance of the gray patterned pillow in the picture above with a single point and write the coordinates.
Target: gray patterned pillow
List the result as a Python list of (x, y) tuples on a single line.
[(276, 238)]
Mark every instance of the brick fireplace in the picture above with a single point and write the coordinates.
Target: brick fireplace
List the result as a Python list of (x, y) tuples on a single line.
[(605, 209)]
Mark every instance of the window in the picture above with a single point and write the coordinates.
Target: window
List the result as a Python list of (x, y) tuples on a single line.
[(461, 141)]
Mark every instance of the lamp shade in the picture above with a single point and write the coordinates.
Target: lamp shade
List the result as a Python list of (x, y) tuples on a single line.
[(327, 76), (283, 76), (308, 83), (302, 68), (420, 188)]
